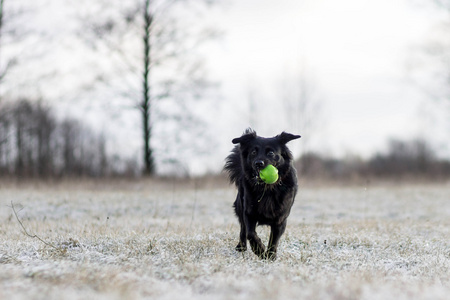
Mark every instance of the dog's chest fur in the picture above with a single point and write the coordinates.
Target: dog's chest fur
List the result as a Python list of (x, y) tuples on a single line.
[(269, 205)]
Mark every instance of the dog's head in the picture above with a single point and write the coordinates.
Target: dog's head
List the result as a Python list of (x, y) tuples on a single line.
[(258, 152)]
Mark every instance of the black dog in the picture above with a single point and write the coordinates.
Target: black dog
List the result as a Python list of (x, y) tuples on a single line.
[(258, 203)]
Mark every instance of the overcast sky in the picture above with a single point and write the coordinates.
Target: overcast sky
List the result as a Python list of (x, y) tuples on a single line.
[(354, 52)]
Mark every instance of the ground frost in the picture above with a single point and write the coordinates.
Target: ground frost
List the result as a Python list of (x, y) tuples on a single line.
[(177, 242)]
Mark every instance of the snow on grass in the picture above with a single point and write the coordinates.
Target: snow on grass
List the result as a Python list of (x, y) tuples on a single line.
[(162, 241)]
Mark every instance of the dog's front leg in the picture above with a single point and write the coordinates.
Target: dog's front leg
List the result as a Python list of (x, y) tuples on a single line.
[(255, 242), (276, 231), (242, 246), (238, 208)]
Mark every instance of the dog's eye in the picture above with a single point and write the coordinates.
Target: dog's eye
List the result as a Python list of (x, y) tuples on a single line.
[(271, 154), (254, 152)]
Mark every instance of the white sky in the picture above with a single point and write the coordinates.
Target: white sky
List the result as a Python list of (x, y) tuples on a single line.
[(354, 51)]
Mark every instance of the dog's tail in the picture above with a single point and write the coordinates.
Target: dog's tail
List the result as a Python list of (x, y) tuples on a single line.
[(233, 165)]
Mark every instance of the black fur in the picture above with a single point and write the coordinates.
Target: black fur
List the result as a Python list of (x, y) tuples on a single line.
[(258, 203)]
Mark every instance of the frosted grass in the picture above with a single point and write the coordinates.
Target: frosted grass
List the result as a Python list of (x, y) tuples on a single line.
[(162, 241)]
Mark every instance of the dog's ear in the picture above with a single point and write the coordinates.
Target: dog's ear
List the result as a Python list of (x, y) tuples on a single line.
[(249, 134), (285, 137)]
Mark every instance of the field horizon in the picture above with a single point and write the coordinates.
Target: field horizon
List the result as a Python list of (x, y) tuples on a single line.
[(156, 239)]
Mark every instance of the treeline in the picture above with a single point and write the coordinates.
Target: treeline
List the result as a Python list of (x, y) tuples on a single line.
[(402, 160), (34, 143)]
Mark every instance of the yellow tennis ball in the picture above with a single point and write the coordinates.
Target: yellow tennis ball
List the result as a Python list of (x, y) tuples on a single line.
[(269, 174)]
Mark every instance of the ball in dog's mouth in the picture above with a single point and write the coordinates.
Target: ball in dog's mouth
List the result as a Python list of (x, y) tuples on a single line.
[(269, 174)]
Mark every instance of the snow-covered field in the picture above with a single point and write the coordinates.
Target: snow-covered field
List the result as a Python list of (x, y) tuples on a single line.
[(149, 240)]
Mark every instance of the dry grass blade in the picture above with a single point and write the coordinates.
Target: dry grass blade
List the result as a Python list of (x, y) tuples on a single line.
[(34, 236)]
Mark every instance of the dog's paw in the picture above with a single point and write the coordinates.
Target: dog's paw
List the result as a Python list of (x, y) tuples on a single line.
[(241, 248), (258, 250), (270, 255)]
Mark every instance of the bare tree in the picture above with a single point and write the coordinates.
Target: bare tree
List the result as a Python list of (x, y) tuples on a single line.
[(429, 65), (21, 115), (165, 43), (2, 70), (10, 33), (5, 141), (145, 106), (406, 158), (38, 145), (34, 126), (43, 130), (1, 33), (303, 105)]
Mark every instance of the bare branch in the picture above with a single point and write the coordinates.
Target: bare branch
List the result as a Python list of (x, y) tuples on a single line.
[(34, 236)]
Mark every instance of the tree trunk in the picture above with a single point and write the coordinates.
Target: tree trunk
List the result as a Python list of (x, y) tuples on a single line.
[(146, 101)]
